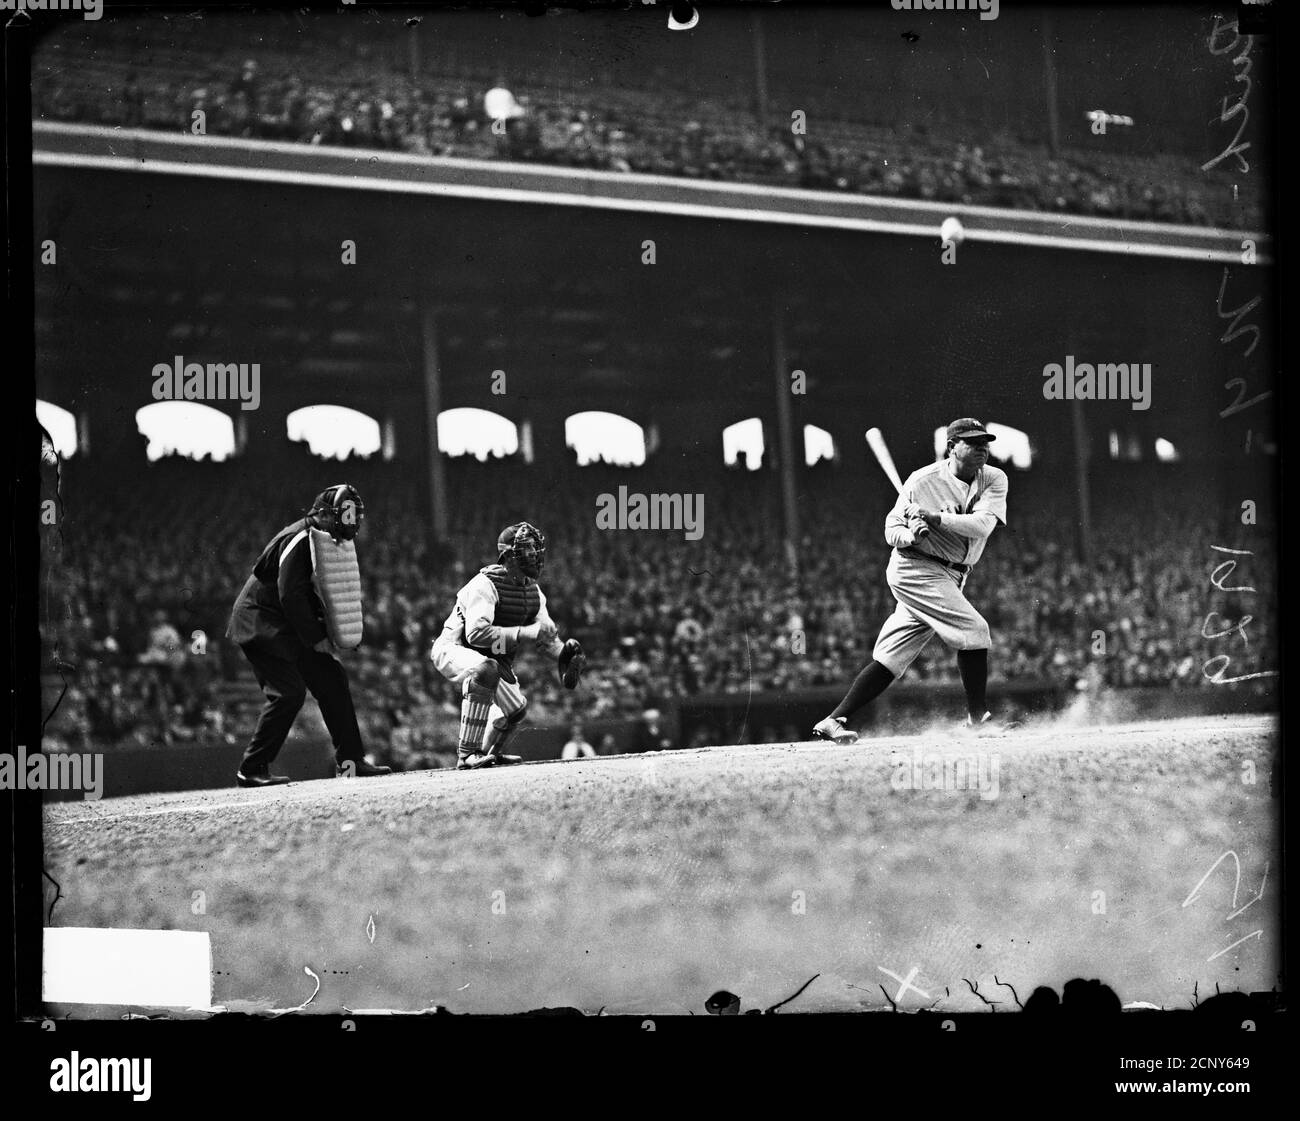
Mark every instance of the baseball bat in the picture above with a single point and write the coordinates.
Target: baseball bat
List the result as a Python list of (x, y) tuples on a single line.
[(876, 442)]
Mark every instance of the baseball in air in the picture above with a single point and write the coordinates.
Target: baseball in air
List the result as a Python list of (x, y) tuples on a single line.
[(951, 231)]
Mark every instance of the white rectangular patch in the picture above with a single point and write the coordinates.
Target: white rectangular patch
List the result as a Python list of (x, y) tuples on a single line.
[(157, 968)]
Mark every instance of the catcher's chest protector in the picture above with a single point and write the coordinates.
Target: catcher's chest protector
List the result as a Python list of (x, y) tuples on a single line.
[(338, 583), (517, 604)]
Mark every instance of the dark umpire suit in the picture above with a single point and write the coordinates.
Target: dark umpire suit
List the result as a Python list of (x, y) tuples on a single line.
[(277, 621)]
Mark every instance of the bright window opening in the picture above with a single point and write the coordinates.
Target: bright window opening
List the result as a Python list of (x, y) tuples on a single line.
[(744, 438), (605, 438), (61, 425), (186, 428), (334, 431), (818, 444), (477, 432)]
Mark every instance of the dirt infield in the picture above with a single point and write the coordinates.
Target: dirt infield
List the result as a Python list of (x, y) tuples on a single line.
[(910, 870)]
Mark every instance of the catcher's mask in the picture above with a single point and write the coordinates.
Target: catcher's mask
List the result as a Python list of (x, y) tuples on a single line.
[(339, 511), (525, 545)]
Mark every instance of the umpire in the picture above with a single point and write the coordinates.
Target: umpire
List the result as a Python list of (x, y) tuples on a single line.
[(278, 622)]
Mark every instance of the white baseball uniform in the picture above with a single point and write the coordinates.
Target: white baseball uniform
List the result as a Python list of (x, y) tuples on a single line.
[(920, 573), (471, 621)]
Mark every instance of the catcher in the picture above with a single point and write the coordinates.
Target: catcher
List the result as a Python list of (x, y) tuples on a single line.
[(500, 609)]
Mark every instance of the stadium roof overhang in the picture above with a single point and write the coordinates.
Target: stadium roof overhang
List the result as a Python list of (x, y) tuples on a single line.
[(224, 250)]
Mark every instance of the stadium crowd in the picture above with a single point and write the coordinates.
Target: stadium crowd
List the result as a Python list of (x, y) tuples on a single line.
[(138, 590), (345, 95)]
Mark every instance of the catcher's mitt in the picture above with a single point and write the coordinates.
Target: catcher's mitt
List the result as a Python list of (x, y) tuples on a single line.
[(571, 662)]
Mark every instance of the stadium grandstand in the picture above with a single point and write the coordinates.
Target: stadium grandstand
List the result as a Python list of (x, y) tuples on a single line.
[(634, 102), (144, 590), (229, 246)]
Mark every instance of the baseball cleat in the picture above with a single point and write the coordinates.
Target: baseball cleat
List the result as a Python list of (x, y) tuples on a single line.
[(988, 724), (834, 729), (480, 760), (499, 759)]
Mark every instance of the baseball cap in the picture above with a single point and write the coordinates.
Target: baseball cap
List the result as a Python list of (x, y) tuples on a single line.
[(967, 427)]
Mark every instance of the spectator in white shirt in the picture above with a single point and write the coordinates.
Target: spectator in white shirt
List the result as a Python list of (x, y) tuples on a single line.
[(577, 747)]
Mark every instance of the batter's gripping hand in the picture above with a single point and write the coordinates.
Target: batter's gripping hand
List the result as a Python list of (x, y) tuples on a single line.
[(916, 523), (571, 662)]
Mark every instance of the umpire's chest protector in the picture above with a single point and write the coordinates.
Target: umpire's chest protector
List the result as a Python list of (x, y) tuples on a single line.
[(517, 604), (338, 583)]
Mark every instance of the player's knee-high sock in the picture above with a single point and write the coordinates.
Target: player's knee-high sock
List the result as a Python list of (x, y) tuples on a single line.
[(509, 706), (474, 707), (873, 680), (974, 668), (501, 730), (496, 721), (507, 714)]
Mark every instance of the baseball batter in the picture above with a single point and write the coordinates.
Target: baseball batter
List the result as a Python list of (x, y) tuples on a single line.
[(937, 530), (498, 610)]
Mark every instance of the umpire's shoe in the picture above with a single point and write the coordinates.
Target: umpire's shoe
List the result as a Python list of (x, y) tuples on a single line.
[(834, 729), (359, 768), (259, 778)]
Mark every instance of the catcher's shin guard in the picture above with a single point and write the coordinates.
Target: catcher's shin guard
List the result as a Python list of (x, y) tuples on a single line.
[(474, 707)]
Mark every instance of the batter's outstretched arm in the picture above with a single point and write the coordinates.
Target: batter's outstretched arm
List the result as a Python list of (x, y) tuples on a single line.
[(976, 526), (989, 509)]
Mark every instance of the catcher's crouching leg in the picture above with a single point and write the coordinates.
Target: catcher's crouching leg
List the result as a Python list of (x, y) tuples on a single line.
[(476, 701), (508, 713)]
